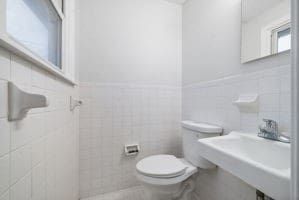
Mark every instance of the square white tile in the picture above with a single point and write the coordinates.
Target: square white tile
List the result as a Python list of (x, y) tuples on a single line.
[(4, 136), (22, 189), (4, 64), (4, 173), (20, 163)]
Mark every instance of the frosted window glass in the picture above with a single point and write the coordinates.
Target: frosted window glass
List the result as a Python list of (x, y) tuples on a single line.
[(284, 40), (36, 25)]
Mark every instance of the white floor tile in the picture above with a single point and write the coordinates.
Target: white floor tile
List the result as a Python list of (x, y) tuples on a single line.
[(136, 193)]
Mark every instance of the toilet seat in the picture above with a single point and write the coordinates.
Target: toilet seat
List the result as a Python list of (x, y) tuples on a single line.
[(161, 166), (188, 171)]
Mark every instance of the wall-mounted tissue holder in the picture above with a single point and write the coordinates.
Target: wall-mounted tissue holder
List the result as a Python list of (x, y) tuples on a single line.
[(74, 103), (132, 149), (20, 102), (247, 103)]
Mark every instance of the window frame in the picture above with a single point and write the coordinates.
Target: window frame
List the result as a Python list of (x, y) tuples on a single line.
[(274, 37), (8, 42)]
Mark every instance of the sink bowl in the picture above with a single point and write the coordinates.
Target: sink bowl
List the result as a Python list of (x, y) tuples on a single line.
[(262, 163)]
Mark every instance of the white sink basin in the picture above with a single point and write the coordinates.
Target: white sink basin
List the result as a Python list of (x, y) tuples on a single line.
[(262, 163)]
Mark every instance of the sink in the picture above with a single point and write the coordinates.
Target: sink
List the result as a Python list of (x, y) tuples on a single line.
[(263, 164)]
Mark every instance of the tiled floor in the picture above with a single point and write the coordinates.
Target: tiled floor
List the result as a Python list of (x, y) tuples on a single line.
[(136, 193)]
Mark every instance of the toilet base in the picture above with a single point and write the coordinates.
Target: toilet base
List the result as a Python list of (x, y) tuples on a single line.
[(176, 188), (160, 197), (180, 191), (161, 192)]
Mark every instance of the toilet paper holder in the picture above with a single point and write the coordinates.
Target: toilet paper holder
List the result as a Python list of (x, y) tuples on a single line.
[(132, 149)]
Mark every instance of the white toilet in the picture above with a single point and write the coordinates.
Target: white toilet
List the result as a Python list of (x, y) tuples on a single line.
[(166, 177)]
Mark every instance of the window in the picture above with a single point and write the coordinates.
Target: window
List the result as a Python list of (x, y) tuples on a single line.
[(284, 40), (36, 25), (281, 39)]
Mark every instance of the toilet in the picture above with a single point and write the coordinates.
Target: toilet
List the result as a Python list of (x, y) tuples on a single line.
[(166, 177)]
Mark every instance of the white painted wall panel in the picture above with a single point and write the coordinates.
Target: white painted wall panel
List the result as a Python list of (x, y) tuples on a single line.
[(132, 41)]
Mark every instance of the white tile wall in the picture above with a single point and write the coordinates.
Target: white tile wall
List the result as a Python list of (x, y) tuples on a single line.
[(5, 196), (4, 173), (38, 155), (20, 163), (212, 101), (39, 182), (22, 189), (220, 185), (117, 114), (4, 137)]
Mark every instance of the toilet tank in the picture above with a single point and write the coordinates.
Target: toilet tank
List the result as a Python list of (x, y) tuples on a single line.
[(192, 132)]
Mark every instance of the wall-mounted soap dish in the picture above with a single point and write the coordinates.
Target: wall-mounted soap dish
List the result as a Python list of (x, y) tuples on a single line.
[(20, 102), (247, 103)]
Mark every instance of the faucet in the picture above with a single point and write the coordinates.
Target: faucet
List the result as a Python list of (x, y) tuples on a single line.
[(270, 131)]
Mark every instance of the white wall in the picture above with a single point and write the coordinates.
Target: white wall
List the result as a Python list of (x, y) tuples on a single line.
[(117, 114), (213, 77), (211, 101), (212, 42), (38, 155), (221, 185), (132, 41), (129, 56)]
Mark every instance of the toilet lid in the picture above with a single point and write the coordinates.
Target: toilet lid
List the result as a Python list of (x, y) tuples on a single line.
[(161, 166)]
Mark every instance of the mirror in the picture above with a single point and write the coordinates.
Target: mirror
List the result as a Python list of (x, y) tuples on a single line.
[(266, 28)]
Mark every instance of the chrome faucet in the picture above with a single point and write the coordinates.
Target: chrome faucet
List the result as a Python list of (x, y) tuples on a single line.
[(270, 131)]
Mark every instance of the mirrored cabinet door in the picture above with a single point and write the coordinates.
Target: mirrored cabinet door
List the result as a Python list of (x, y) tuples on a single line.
[(266, 28)]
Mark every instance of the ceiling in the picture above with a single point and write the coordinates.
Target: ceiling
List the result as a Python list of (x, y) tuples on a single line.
[(177, 1)]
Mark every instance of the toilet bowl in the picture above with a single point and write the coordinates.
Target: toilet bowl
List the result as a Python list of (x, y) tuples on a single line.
[(166, 177)]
